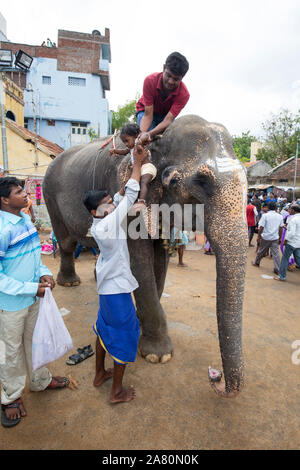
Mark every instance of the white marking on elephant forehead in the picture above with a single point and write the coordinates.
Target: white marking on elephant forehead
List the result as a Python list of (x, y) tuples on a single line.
[(225, 164), (211, 162)]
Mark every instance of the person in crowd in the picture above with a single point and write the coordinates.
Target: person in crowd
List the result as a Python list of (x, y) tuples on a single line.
[(271, 198), (79, 249), (23, 280), (117, 326), (252, 213), (292, 242), (164, 96), (269, 236), (256, 202)]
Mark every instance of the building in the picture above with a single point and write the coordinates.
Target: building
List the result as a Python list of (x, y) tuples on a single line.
[(64, 89), (13, 101), (256, 172), (285, 178), (29, 154)]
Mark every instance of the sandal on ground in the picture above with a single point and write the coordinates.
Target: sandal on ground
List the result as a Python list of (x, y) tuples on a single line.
[(58, 382), (82, 354), (5, 421)]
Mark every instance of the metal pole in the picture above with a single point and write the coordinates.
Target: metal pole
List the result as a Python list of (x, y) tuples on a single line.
[(295, 175), (3, 129)]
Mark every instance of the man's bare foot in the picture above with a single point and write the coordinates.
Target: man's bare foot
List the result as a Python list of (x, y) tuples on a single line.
[(100, 378), (123, 396), (254, 264), (277, 278), (16, 413), (182, 265)]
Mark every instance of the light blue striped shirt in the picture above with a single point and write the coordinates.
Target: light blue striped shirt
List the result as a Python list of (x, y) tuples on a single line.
[(20, 262)]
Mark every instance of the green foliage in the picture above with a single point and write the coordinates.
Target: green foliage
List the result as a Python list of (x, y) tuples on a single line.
[(92, 134), (282, 131), (242, 146), (125, 113)]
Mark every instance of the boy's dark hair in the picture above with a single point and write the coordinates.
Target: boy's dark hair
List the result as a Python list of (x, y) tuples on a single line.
[(131, 129), (177, 64), (296, 208), (272, 206), (93, 197), (6, 185)]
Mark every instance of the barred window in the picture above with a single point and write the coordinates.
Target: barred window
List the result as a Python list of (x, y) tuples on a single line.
[(75, 81), (46, 80)]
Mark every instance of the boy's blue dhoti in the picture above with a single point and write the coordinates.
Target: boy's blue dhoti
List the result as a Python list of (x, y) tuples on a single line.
[(117, 327)]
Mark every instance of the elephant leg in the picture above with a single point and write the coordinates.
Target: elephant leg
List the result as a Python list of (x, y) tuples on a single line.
[(155, 345), (66, 276), (161, 262), (228, 237)]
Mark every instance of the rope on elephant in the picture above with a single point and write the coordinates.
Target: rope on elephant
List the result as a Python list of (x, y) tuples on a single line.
[(112, 138)]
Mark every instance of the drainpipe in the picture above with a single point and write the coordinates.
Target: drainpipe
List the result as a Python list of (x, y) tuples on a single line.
[(3, 129)]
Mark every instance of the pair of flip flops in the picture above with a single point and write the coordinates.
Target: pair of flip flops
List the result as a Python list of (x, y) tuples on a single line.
[(82, 354)]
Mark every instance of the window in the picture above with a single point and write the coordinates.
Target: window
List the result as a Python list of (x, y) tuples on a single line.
[(26, 123), (75, 81), (51, 122), (46, 80)]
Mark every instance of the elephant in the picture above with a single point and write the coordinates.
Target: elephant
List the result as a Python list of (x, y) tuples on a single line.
[(196, 164)]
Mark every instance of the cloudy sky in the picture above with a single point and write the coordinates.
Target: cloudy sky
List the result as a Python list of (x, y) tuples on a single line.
[(243, 55)]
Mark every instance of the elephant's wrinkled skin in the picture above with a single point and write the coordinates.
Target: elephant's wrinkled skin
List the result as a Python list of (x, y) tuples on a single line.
[(208, 172)]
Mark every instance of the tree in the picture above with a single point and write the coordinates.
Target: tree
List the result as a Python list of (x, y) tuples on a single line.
[(282, 131), (242, 146), (125, 113), (92, 134)]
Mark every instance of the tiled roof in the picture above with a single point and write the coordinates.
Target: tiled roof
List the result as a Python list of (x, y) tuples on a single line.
[(286, 170), (46, 146)]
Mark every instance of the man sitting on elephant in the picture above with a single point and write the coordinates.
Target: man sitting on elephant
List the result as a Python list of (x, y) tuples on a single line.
[(117, 327), (164, 96)]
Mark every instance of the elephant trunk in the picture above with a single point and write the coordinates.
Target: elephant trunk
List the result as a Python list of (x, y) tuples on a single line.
[(227, 233)]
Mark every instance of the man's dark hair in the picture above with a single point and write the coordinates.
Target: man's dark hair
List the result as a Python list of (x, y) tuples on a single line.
[(6, 185), (93, 197), (131, 129), (177, 64), (296, 208), (272, 206)]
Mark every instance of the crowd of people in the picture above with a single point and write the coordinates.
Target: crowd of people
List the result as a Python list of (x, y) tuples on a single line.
[(277, 224)]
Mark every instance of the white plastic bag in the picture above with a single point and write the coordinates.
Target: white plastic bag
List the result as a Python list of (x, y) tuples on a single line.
[(51, 339)]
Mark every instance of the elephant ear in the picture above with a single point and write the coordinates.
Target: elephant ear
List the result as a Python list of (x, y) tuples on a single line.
[(171, 177)]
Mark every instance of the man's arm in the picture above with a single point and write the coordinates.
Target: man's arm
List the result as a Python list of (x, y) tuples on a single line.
[(146, 121)]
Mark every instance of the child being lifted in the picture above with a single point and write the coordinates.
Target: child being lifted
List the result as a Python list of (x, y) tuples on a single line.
[(129, 136)]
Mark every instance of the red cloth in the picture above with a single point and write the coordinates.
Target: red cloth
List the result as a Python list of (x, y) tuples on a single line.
[(250, 215), (174, 103)]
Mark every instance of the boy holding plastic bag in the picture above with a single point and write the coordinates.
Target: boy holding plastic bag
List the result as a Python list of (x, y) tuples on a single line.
[(23, 279)]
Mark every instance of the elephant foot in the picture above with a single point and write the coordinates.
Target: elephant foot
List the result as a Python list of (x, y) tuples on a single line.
[(218, 385), (156, 350), (68, 281)]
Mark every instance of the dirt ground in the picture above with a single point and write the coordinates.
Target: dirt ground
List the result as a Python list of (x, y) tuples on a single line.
[(175, 408)]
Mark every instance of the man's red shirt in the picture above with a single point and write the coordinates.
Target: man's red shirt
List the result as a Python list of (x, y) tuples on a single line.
[(174, 103)]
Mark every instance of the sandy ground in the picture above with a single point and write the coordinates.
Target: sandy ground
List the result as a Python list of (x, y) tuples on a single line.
[(175, 407)]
